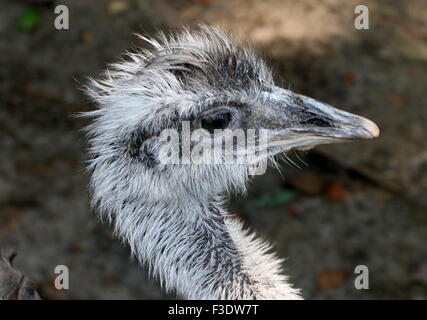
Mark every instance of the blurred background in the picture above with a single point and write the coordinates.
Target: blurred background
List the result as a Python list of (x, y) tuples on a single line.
[(359, 203)]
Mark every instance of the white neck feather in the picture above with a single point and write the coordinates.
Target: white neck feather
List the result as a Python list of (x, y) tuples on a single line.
[(200, 252)]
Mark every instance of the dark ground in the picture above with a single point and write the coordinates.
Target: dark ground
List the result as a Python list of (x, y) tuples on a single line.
[(360, 203)]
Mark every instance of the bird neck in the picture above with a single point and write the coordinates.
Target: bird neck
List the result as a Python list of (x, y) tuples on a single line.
[(200, 252)]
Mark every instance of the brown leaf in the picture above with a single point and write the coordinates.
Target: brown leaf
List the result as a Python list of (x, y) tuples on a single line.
[(330, 279), (350, 78), (309, 182), (76, 248), (335, 190), (291, 210)]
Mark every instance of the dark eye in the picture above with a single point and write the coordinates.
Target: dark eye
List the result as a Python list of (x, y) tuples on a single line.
[(216, 121)]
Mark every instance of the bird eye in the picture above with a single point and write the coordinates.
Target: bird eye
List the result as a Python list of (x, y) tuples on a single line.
[(216, 121)]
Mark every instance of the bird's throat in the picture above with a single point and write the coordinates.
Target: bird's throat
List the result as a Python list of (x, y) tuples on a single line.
[(200, 252)]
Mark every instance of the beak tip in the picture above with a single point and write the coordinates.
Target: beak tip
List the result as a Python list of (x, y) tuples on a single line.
[(371, 128)]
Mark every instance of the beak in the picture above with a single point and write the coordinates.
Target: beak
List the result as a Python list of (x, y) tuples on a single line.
[(297, 121)]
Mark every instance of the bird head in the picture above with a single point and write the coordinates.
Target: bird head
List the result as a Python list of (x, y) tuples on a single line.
[(193, 90)]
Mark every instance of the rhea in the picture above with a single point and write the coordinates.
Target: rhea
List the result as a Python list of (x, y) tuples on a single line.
[(173, 214)]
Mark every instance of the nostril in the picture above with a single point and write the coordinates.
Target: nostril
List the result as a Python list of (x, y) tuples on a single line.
[(317, 122)]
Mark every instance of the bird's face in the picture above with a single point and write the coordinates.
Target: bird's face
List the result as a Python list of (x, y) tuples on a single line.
[(213, 106), (287, 120)]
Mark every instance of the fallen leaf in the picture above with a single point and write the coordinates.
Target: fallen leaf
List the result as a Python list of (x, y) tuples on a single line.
[(29, 19), (350, 78), (76, 248), (330, 279), (335, 190), (308, 182)]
